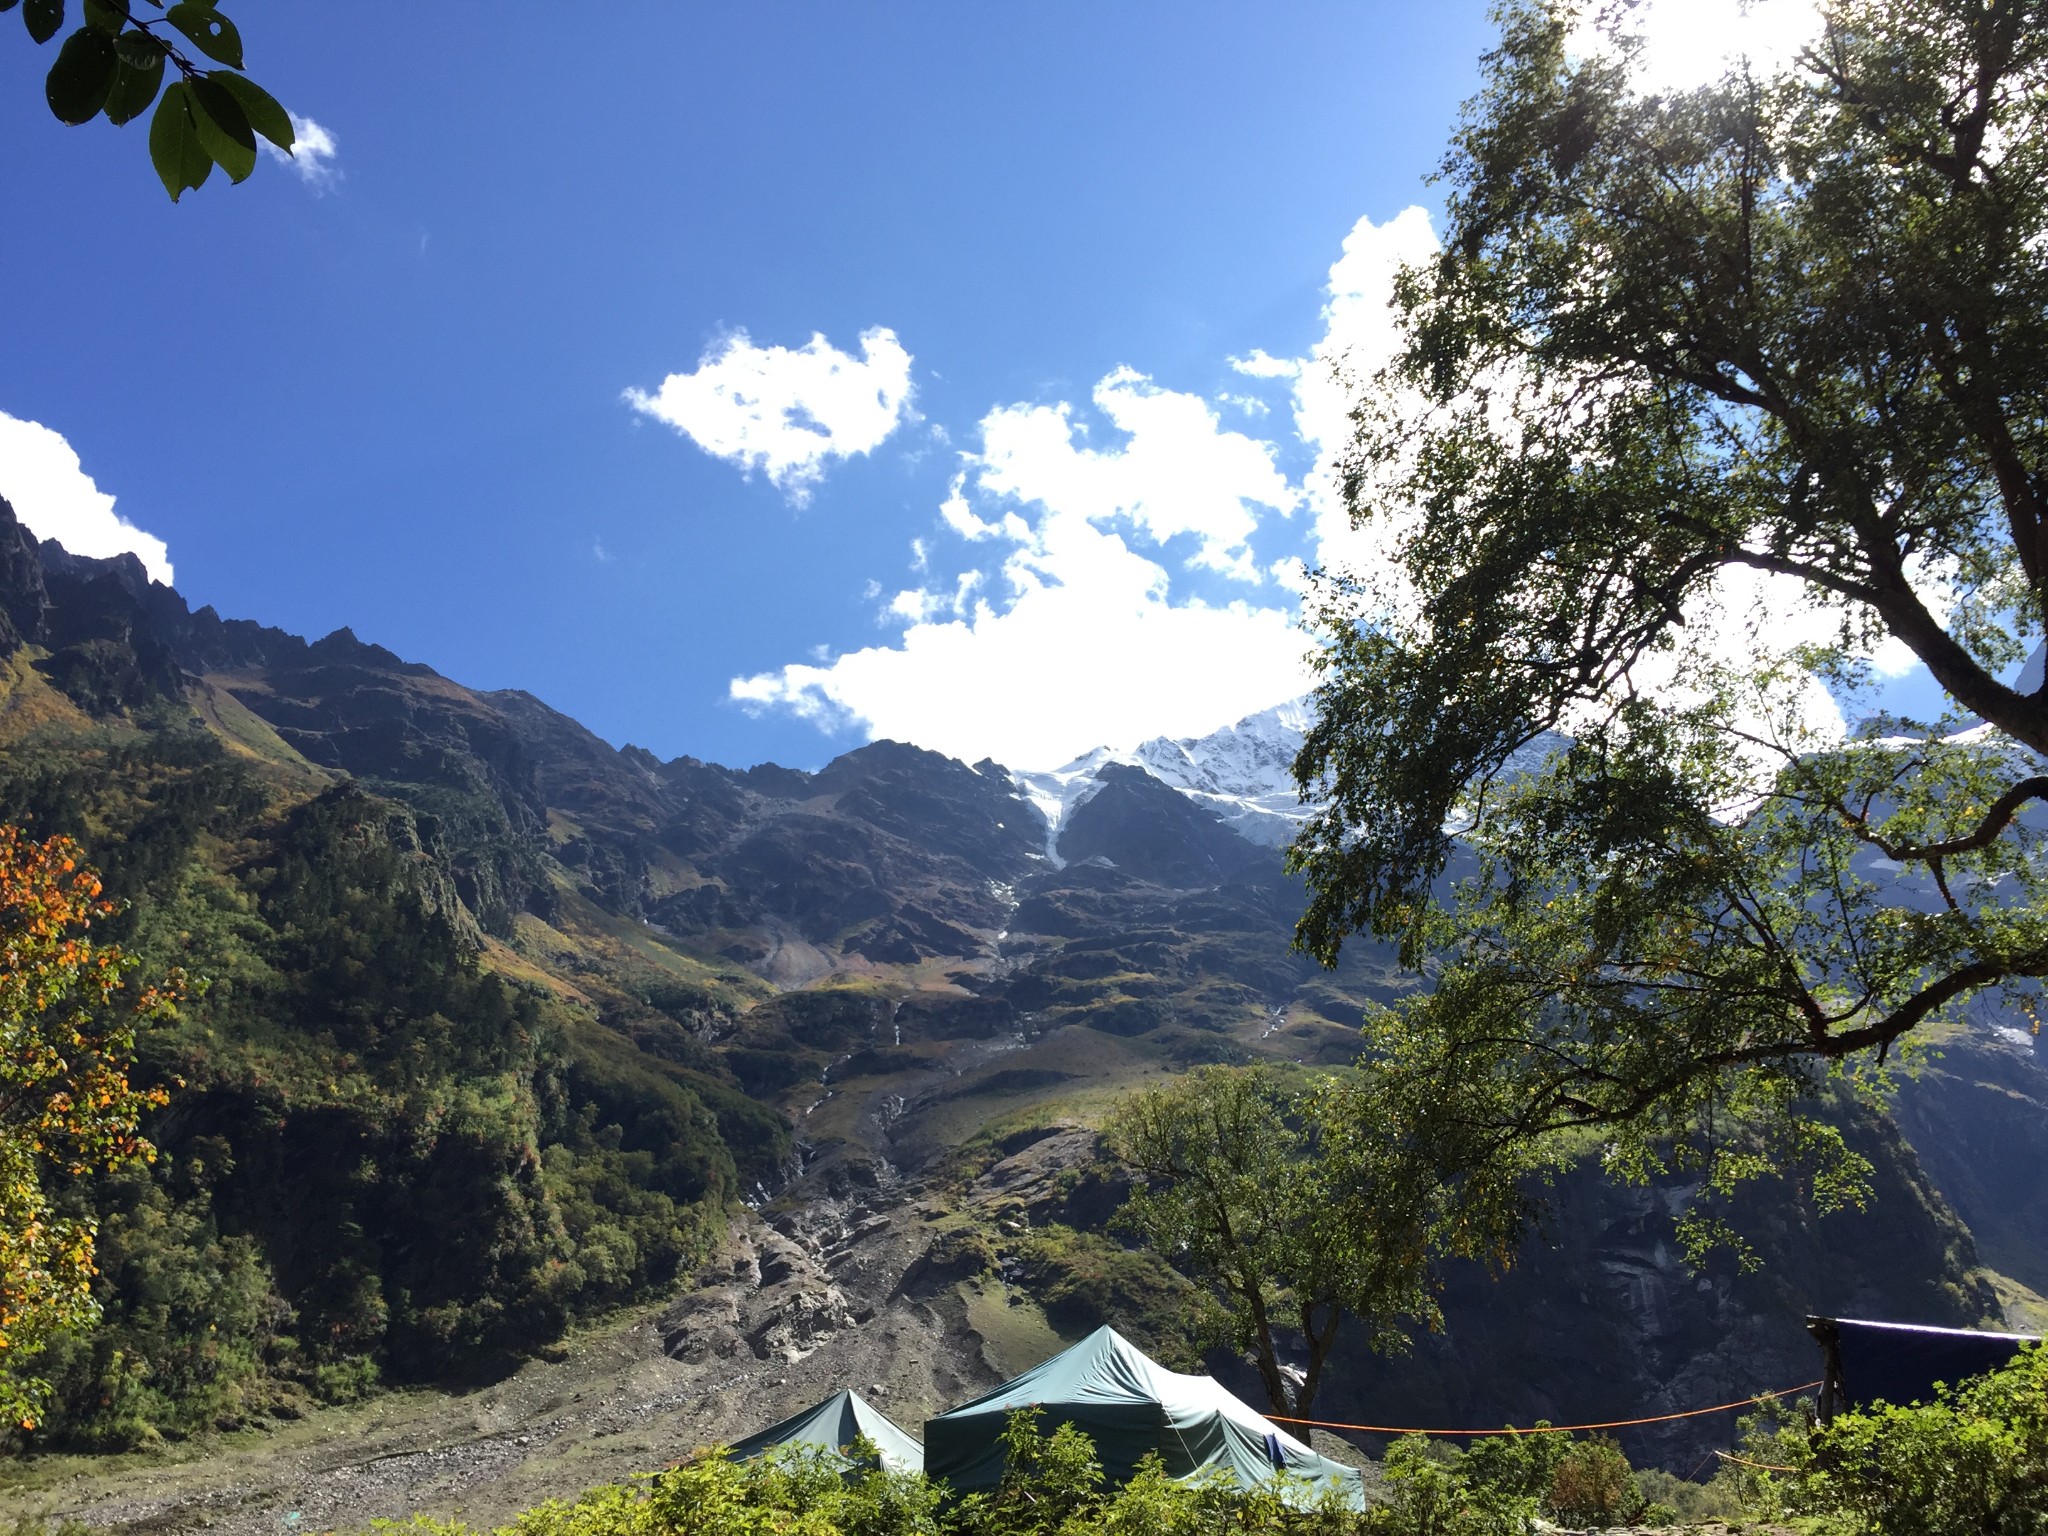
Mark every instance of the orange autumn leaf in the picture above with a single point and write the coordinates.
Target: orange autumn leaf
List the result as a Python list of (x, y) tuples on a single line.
[(67, 1045)]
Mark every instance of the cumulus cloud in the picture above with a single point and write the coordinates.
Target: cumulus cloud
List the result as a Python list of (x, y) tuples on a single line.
[(785, 411), (314, 155), (56, 499), (1088, 641), (1260, 364), (1361, 334), (1177, 472)]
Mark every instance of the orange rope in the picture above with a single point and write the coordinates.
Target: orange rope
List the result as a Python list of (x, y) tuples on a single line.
[(1761, 1466), (1546, 1429)]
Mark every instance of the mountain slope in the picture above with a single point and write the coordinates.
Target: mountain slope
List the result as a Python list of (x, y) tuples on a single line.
[(884, 998)]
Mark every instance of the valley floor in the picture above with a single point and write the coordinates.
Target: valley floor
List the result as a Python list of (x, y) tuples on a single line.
[(846, 1293), (614, 1402)]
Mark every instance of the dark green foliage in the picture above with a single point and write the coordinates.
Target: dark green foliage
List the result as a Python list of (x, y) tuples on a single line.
[(1277, 1195), (1592, 1484), (380, 1161), (115, 63), (766, 1072), (196, 1327), (1047, 1481), (1052, 1486), (1973, 1462), (1500, 1482), (1434, 1492)]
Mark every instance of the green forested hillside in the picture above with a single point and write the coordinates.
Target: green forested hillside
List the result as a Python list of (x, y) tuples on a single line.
[(381, 1158)]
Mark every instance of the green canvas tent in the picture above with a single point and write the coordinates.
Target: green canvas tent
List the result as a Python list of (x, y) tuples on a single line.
[(833, 1425), (1130, 1405)]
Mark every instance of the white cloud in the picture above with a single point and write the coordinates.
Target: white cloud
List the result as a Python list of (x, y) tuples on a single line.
[(1177, 473), (1685, 44), (1260, 364), (56, 499), (960, 516), (1088, 644), (313, 156), (783, 411), (1361, 335), (1066, 667)]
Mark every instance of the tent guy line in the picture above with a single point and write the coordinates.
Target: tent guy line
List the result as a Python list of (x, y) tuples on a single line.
[(1547, 1429)]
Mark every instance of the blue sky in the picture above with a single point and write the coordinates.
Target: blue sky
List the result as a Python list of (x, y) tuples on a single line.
[(467, 384)]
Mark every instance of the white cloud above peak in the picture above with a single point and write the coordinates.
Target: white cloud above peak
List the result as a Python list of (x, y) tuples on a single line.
[(1065, 667), (787, 411), (1177, 472), (1081, 635), (41, 477)]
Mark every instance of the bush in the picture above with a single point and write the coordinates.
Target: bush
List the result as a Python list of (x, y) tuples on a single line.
[(1435, 1492), (1675, 1500), (1975, 1460), (1593, 1484), (1051, 1486)]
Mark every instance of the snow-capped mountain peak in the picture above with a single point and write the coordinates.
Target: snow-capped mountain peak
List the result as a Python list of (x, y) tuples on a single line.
[(1243, 772)]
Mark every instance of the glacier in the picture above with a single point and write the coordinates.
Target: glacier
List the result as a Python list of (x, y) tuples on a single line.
[(1243, 772)]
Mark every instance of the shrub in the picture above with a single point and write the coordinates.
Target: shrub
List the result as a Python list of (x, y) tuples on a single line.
[(1675, 1500), (1593, 1484), (1433, 1493), (1975, 1460)]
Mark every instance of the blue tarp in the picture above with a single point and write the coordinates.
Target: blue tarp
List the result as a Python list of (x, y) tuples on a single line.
[(1900, 1362)]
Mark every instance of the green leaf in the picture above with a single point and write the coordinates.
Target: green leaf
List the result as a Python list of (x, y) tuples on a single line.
[(259, 106), (181, 161), (78, 82), (43, 17), (139, 50), (223, 127), (211, 33), (134, 89), (108, 16)]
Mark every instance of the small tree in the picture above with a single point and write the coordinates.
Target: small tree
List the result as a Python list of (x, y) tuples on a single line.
[(1593, 1484), (1291, 1226), (68, 1013)]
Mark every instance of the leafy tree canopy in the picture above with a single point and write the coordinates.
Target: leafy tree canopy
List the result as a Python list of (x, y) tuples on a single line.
[(1714, 404), (67, 1042), (114, 64), (1263, 1188)]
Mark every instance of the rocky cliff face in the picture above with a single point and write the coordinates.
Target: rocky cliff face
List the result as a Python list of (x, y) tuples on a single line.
[(918, 961)]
